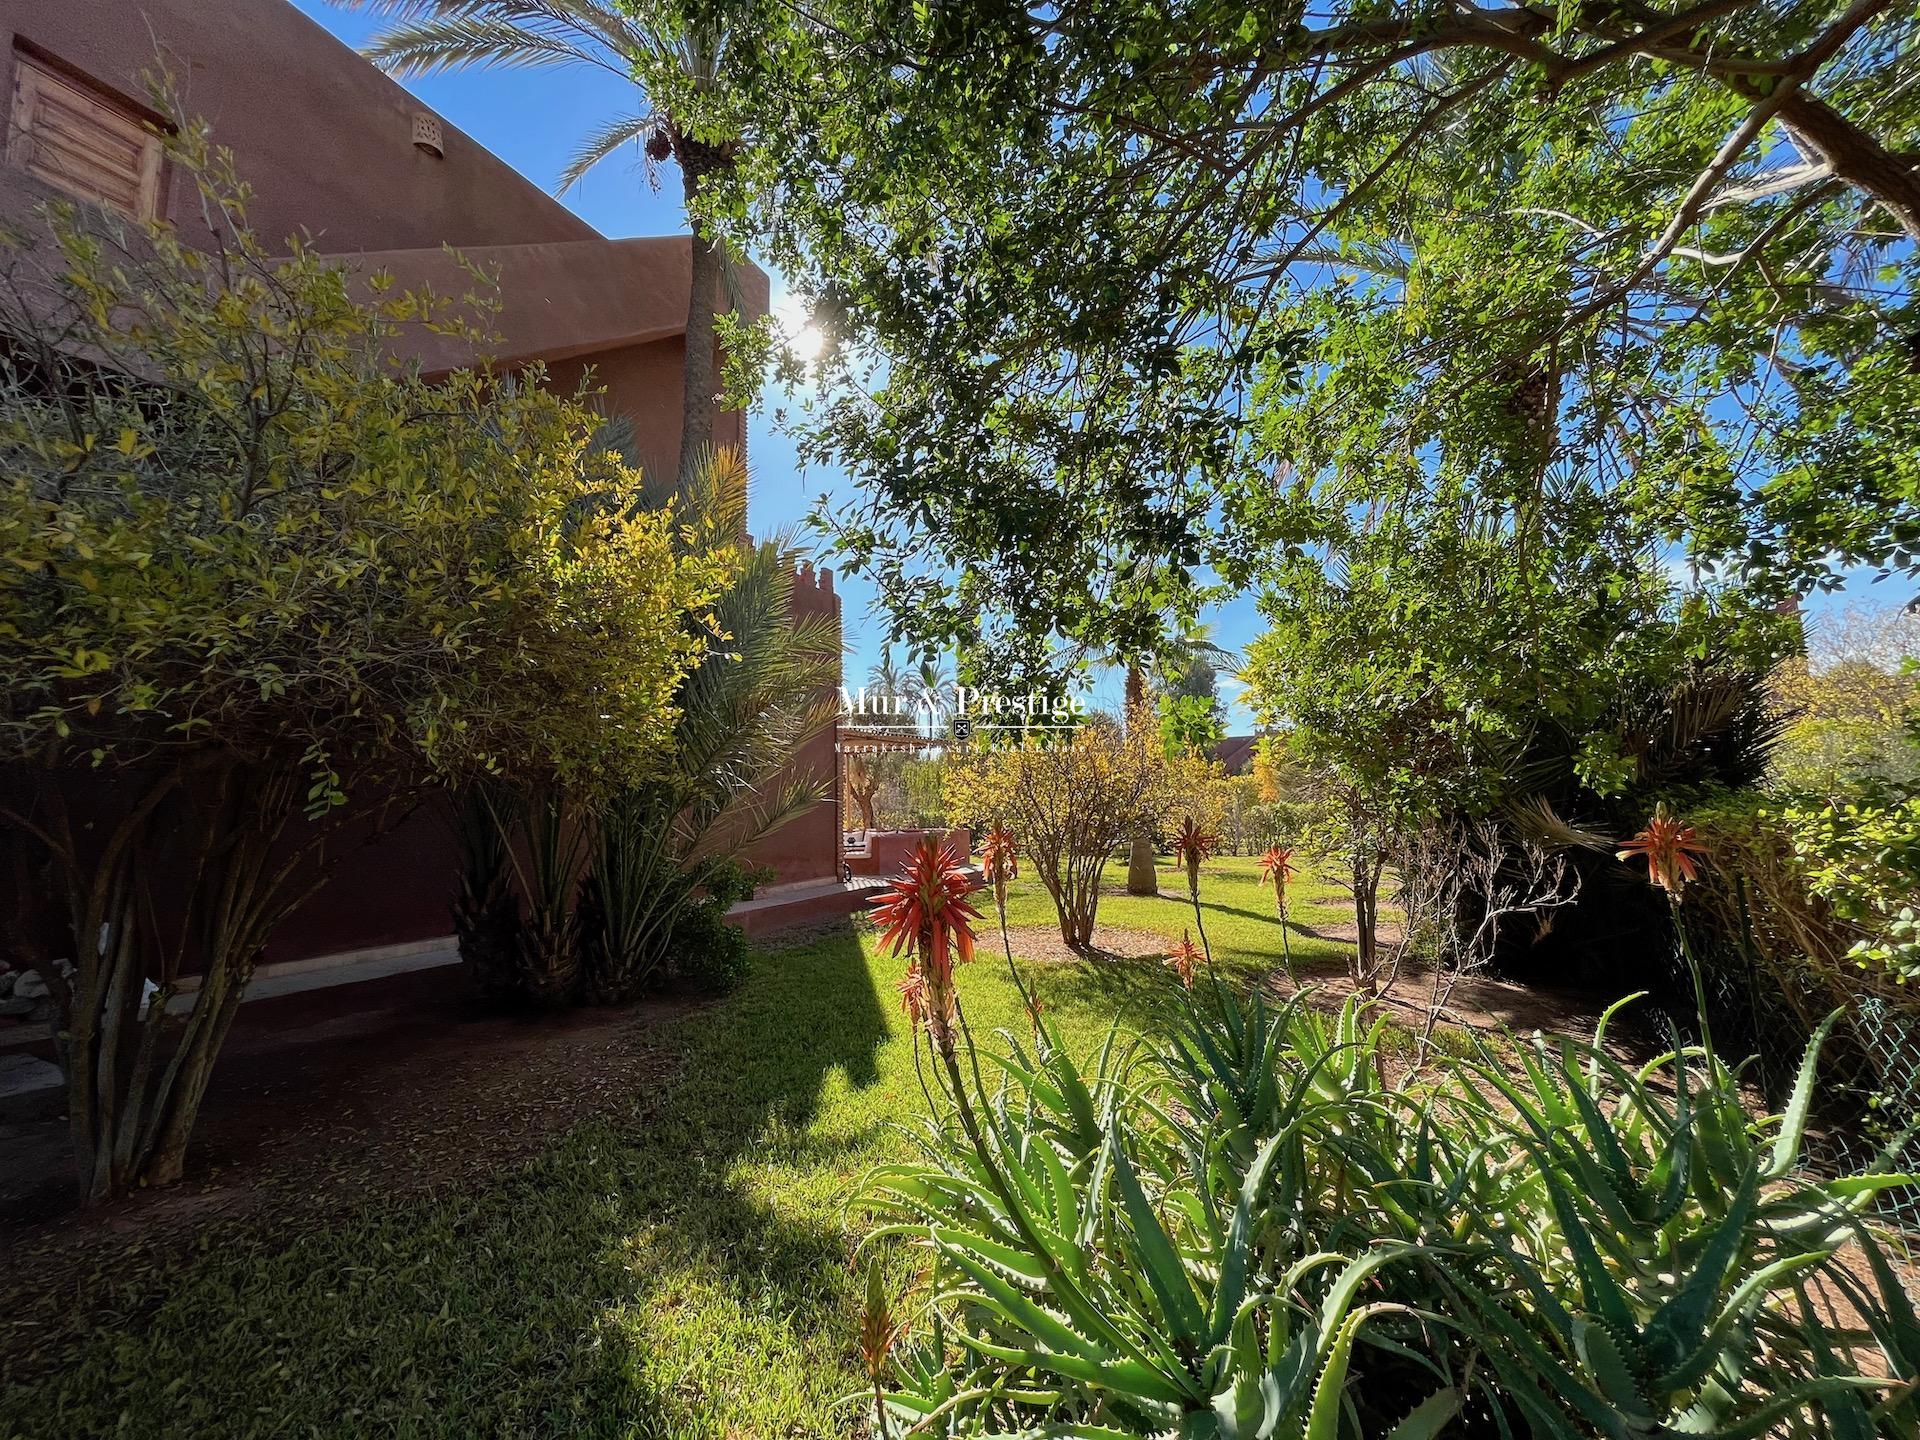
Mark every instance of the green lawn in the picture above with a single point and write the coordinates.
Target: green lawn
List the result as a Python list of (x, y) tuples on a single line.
[(684, 1272)]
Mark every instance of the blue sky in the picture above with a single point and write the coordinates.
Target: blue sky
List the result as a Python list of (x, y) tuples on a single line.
[(533, 119)]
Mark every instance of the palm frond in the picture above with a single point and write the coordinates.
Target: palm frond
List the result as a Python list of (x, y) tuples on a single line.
[(615, 40), (1535, 819), (458, 41), (598, 146)]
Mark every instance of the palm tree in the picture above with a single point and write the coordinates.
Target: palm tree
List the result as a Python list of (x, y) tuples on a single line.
[(935, 681), (1175, 658), (889, 681), (745, 712), (1142, 879), (672, 62), (597, 903)]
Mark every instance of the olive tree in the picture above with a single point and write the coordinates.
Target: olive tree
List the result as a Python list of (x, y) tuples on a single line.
[(262, 584), (1069, 802)]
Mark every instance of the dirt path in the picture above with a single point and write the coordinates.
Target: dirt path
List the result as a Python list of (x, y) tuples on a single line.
[(1478, 1003), (1042, 944)]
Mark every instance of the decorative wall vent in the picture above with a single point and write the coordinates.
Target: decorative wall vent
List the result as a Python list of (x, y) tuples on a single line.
[(426, 133)]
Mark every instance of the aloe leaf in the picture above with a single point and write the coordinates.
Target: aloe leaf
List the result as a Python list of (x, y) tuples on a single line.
[(1066, 1208), (1901, 1339), (1323, 1420), (1249, 1408), (1234, 1254), (1816, 1397), (1679, 1325), (1694, 1368), (1606, 1360), (1520, 1380), (1065, 1350), (1429, 1417), (1007, 1257), (1678, 1158), (1156, 1253), (1347, 1286), (1598, 1048), (1601, 1292), (1793, 1122)]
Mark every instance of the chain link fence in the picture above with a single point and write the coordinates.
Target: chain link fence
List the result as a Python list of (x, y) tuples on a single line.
[(1869, 1093)]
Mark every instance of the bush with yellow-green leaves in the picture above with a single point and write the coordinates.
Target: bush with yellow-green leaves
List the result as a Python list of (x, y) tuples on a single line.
[(1071, 799), (259, 584)]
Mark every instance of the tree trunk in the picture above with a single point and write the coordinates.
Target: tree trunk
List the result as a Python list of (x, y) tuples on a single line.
[(1141, 877), (1366, 894), (133, 1095), (697, 162), (1823, 133), (1062, 906)]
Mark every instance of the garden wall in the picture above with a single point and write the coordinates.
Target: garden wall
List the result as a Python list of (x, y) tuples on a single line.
[(888, 850)]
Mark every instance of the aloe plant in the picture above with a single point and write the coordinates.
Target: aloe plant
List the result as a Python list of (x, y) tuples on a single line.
[(1244, 1230)]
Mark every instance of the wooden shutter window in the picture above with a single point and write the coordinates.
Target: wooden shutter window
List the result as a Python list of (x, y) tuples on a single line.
[(81, 142)]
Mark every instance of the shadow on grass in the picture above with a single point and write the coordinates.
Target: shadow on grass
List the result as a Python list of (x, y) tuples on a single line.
[(678, 1269)]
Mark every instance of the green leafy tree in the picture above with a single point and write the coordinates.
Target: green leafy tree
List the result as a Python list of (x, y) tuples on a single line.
[(1190, 724), (1070, 802), (1852, 703), (262, 585), (1671, 247)]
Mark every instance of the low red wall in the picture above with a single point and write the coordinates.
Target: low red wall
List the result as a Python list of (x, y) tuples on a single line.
[(887, 850), (392, 890)]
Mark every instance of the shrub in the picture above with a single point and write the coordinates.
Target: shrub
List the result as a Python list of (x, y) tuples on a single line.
[(1071, 802), (1246, 1231), (609, 889), (710, 955), (257, 570), (1861, 854), (670, 850)]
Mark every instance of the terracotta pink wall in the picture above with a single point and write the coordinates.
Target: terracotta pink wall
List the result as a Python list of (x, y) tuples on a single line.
[(323, 137), (809, 848), (643, 381), (395, 889), (325, 140)]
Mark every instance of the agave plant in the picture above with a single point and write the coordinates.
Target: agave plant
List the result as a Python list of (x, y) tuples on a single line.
[(486, 908), (1104, 1292), (547, 841)]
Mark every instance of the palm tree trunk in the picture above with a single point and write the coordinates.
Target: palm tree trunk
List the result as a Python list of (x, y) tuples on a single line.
[(1141, 878), (697, 162)]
